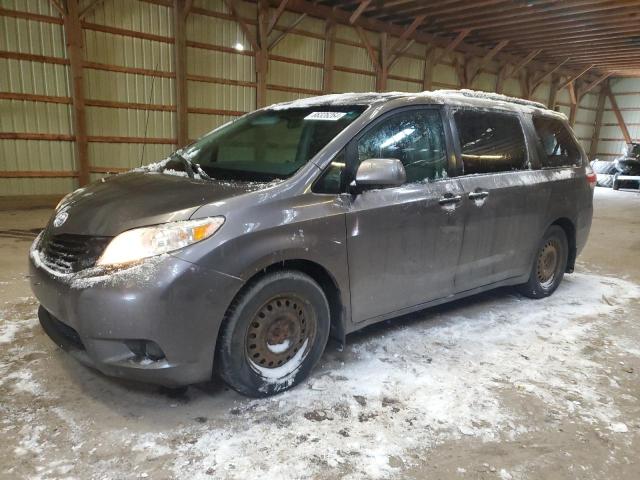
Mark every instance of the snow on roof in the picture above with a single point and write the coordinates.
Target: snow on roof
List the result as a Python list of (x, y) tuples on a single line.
[(464, 97)]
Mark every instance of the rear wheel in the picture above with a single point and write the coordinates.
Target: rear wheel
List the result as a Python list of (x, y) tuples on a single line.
[(274, 334), (549, 264)]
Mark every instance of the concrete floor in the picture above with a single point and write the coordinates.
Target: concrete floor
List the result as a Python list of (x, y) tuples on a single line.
[(495, 386)]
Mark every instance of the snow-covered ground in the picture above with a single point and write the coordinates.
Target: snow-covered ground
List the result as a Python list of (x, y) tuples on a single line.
[(450, 374)]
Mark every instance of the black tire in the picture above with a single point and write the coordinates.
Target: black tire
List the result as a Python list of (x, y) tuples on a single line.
[(549, 264), (288, 307)]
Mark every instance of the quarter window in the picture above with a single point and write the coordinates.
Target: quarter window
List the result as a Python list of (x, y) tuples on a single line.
[(490, 142), (414, 137), (557, 143)]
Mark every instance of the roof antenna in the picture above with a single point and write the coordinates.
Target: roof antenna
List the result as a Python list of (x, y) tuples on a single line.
[(146, 122)]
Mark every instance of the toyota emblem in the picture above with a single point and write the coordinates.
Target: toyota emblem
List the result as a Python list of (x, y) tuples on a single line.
[(60, 218)]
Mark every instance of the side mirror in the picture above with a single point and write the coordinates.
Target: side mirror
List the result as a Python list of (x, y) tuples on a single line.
[(380, 172)]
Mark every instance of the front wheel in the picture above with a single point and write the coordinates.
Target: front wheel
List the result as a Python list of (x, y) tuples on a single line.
[(274, 334), (549, 264)]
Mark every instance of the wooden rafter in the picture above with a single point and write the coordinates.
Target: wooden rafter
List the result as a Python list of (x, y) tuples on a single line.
[(358, 11), (451, 46), (575, 77), (595, 83), (522, 63), (329, 56), (276, 15), (287, 31), (541, 78), (181, 9), (471, 76)]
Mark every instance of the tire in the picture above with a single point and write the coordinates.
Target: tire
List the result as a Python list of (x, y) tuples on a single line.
[(549, 264), (274, 334)]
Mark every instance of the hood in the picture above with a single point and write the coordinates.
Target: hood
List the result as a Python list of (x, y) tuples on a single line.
[(123, 202)]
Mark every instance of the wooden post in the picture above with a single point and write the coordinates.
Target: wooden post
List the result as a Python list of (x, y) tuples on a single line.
[(427, 74), (383, 71), (595, 138), (501, 78), (574, 104), (553, 92), (180, 13), (75, 51), (329, 56), (262, 54)]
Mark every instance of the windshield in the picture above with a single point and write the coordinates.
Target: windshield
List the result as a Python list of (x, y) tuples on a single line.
[(269, 144)]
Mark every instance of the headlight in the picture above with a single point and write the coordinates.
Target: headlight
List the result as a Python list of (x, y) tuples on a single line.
[(146, 242)]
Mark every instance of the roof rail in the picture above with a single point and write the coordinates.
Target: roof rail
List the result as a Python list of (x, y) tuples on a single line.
[(493, 96)]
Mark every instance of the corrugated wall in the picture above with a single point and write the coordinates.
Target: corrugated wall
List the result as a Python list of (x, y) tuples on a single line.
[(130, 82), (627, 96)]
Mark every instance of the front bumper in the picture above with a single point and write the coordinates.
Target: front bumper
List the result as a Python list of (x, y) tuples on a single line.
[(175, 304)]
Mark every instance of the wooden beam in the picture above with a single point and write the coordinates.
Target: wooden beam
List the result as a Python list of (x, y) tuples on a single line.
[(370, 50), (286, 31), (573, 109), (501, 78), (538, 81), (262, 54), (358, 11), (427, 73), (451, 46), (595, 137), (180, 68), (59, 6), (89, 8), (460, 67), (383, 70), (553, 92), (485, 60), (276, 15), (616, 111), (595, 83), (329, 56), (575, 77), (522, 63), (75, 51), (394, 51), (232, 5)]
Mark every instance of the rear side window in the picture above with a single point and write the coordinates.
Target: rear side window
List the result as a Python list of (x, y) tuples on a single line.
[(557, 143), (490, 142), (415, 137)]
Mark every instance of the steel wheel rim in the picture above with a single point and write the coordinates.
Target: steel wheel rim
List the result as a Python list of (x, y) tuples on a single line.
[(547, 265), (280, 329)]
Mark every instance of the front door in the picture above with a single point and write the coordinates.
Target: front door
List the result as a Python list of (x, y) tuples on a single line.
[(403, 242)]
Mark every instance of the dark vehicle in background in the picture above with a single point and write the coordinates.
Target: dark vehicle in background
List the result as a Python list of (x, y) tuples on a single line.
[(243, 252), (623, 172)]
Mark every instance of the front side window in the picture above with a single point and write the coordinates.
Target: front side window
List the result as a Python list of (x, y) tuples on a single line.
[(559, 148), (270, 144), (415, 137), (490, 142)]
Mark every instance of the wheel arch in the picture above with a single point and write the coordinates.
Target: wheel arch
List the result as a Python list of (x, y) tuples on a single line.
[(329, 285)]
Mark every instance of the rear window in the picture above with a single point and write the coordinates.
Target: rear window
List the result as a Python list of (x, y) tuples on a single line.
[(490, 142), (558, 145)]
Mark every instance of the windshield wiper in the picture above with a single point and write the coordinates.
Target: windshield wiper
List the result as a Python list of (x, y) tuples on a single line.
[(192, 167)]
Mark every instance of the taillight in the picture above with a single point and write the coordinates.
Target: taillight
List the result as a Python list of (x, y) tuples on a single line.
[(591, 176)]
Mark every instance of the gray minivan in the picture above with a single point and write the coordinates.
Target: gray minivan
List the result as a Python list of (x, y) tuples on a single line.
[(241, 253)]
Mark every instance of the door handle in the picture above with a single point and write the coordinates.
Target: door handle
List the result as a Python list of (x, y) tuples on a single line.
[(448, 199), (478, 195)]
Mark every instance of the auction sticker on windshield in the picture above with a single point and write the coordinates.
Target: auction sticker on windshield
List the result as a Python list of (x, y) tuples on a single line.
[(330, 116)]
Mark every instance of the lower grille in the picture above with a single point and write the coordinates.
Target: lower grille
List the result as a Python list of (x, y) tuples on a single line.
[(68, 253)]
